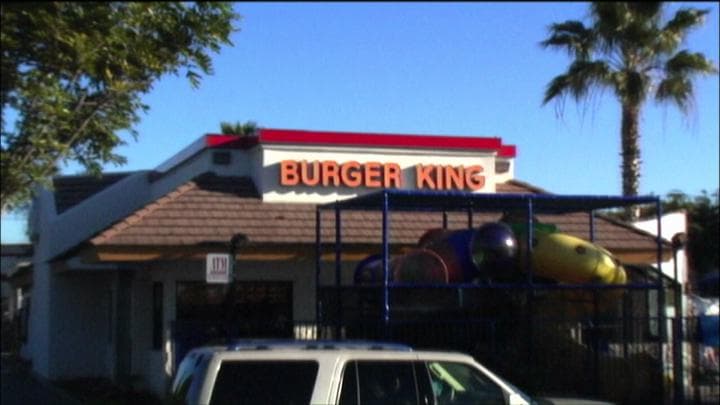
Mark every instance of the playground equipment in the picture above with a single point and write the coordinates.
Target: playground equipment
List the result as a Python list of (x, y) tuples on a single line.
[(489, 252), (513, 320), (569, 259), (470, 254), (417, 266)]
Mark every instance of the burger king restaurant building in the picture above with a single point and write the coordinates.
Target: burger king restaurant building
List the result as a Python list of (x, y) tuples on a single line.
[(125, 265)]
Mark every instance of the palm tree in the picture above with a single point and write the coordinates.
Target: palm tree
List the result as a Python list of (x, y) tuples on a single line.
[(630, 49), (248, 129)]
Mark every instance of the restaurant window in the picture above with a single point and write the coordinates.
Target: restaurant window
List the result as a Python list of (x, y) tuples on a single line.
[(243, 309)]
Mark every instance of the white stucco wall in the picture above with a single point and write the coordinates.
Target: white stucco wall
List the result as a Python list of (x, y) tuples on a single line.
[(82, 335), (670, 224), (37, 347)]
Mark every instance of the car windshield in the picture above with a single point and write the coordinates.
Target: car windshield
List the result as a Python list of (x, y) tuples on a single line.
[(527, 398), (524, 396)]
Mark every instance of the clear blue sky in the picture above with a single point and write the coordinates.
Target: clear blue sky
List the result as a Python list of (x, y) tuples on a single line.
[(471, 69)]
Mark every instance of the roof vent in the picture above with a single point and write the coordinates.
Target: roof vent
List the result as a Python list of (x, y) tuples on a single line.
[(221, 158), (502, 167)]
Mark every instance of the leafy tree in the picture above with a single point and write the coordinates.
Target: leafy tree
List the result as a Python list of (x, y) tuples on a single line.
[(73, 74), (632, 50), (249, 128)]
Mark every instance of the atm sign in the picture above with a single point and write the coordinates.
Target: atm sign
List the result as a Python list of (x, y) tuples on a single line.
[(217, 268)]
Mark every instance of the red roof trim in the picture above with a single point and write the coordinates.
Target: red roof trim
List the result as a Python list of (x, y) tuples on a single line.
[(388, 140), (230, 141), (285, 136), (507, 151)]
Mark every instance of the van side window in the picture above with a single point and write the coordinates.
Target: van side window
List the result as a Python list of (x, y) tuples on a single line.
[(454, 383), (379, 382), (265, 382)]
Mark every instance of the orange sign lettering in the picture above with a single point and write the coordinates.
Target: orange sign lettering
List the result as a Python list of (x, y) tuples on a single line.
[(353, 174)]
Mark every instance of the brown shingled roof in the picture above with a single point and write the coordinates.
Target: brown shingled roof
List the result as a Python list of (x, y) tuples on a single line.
[(212, 209), (519, 187)]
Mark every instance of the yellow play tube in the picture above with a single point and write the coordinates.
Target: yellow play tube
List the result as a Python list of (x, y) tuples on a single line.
[(568, 259)]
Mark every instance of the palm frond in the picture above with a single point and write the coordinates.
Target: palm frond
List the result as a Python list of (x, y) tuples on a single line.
[(586, 75), (685, 19), (676, 89), (248, 128), (687, 63), (556, 88), (608, 18), (675, 30), (646, 10), (677, 86), (571, 35), (639, 35), (626, 25), (227, 128), (581, 77)]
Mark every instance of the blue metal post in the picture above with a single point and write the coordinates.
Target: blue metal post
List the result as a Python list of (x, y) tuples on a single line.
[(530, 235), (660, 284), (678, 366), (338, 267), (385, 255), (338, 247), (659, 233), (662, 327), (530, 286), (318, 261)]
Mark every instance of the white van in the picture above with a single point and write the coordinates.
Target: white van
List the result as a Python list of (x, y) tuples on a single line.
[(344, 373)]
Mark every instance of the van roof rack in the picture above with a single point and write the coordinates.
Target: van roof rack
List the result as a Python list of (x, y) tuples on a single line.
[(271, 344)]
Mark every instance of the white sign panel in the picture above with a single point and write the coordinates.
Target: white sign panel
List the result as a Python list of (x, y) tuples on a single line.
[(317, 175), (217, 268)]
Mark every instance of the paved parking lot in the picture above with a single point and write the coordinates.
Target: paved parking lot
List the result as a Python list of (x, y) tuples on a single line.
[(20, 386)]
